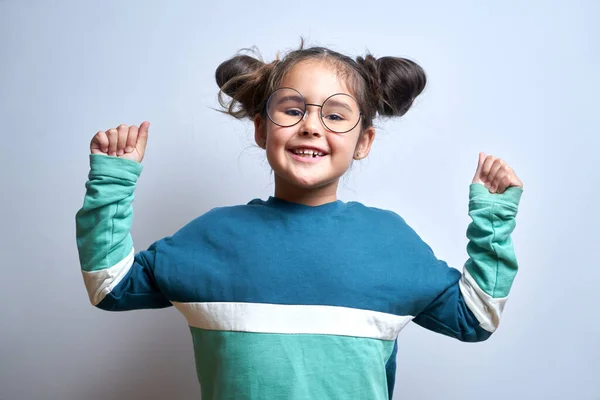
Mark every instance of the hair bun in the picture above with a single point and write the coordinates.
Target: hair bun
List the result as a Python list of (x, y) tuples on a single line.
[(396, 82), (243, 78), (233, 68)]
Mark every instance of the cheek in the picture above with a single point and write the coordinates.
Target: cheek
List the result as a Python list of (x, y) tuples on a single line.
[(345, 144), (277, 137)]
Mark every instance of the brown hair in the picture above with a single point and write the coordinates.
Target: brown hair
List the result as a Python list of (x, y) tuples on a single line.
[(385, 86)]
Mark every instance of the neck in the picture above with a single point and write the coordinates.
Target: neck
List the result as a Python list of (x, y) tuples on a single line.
[(310, 197)]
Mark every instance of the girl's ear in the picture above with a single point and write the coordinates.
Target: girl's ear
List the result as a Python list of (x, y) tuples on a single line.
[(363, 147), (260, 131)]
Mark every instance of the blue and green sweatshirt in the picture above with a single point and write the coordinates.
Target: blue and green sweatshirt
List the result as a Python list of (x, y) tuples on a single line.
[(288, 301)]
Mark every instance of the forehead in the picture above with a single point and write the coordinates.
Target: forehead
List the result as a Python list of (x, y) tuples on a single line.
[(316, 80)]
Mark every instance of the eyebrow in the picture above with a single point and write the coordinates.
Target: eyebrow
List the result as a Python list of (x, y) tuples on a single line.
[(341, 104), (291, 98), (301, 99)]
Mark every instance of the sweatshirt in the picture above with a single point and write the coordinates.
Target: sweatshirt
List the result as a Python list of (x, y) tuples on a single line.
[(296, 302)]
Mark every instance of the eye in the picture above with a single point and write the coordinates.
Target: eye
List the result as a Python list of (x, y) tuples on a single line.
[(293, 112), (334, 117)]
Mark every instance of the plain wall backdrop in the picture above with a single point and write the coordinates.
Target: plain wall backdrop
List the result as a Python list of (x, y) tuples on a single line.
[(518, 80)]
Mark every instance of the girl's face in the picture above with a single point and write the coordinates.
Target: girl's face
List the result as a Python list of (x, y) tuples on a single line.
[(304, 178)]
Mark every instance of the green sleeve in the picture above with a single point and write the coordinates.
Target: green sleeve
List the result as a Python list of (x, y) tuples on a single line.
[(116, 278), (489, 272), (468, 306)]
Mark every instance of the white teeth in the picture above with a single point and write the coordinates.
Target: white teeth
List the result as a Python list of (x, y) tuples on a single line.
[(308, 152)]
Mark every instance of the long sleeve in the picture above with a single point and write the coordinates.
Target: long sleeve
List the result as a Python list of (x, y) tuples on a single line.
[(115, 277), (469, 305)]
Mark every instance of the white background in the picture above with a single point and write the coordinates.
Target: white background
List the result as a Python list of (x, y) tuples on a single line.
[(518, 80)]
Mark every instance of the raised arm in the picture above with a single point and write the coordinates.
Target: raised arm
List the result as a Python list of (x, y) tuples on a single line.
[(115, 277), (469, 305)]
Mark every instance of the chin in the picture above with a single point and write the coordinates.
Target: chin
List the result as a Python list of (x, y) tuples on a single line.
[(311, 182)]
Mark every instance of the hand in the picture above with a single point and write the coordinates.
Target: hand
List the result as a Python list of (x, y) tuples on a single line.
[(495, 174), (127, 142)]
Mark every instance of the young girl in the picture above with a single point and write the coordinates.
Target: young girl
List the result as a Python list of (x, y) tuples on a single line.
[(300, 296)]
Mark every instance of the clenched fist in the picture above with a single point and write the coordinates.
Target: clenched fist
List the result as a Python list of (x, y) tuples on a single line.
[(495, 174), (127, 142)]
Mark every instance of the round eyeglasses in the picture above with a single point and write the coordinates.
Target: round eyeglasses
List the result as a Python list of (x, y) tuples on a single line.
[(339, 112)]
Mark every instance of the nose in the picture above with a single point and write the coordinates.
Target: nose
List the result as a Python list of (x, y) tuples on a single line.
[(311, 122)]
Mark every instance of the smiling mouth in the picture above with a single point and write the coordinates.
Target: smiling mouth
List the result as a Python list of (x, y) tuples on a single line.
[(308, 153)]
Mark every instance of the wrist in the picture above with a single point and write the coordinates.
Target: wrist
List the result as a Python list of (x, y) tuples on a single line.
[(122, 168)]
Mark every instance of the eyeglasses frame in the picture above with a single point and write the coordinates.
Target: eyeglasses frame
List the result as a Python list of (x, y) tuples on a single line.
[(360, 115)]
